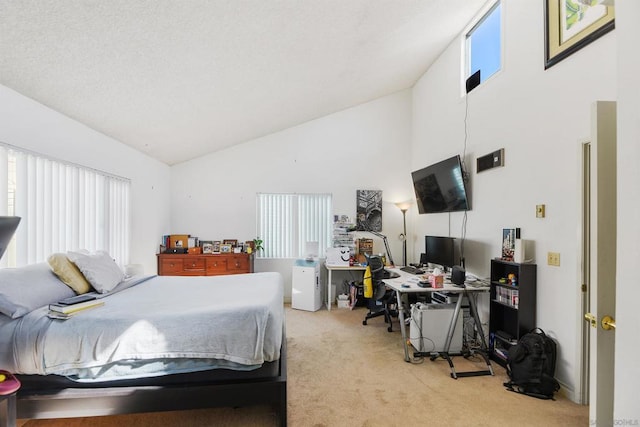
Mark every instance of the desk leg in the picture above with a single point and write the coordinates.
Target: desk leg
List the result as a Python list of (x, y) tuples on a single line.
[(452, 325), (447, 345), (8, 411), (403, 327), (329, 290), (473, 306)]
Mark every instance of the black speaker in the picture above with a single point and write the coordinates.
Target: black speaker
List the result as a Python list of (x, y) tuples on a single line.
[(458, 275), (423, 259), (473, 81)]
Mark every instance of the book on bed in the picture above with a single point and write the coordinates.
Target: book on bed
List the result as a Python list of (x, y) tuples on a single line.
[(70, 310)]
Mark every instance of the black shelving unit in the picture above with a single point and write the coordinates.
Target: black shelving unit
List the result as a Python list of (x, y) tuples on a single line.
[(512, 311)]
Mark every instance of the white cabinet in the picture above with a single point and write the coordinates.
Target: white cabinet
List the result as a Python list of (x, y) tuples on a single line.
[(305, 289)]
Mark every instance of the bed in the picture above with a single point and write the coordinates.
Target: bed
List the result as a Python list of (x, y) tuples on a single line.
[(158, 343)]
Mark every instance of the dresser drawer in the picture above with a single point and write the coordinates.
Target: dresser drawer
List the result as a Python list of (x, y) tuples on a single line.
[(237, 264), (217, 265), (171, 266), (195, 265)]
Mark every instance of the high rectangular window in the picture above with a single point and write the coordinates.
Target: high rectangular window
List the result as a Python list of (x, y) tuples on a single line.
[(286, 222), (483, 44)]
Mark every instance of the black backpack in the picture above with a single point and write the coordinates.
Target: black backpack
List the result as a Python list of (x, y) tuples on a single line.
[(531, 365)]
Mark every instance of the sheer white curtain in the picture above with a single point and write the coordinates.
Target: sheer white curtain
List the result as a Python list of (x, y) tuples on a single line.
[(63, 207), (286, 222)]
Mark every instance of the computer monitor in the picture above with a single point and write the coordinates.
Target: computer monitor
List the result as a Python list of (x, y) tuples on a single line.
[(439, 251), (8, 225)]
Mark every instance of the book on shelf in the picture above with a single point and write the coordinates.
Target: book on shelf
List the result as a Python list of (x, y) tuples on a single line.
[(74, 308)]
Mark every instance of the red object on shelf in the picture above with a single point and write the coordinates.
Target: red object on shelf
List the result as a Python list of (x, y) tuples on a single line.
[(10, 385)]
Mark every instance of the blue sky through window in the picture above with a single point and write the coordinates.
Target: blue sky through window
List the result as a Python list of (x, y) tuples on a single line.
[(485, 45)]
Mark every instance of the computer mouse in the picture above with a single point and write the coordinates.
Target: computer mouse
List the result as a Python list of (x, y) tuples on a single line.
[(404, 285)]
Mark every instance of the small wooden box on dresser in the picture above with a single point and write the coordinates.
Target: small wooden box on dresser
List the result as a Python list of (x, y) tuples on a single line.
[(204, 264)]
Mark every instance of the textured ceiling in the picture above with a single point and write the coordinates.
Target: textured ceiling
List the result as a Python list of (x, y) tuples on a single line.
[(179, 79)]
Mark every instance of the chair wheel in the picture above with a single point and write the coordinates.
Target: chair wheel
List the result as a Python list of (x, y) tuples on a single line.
[(364, 322), (390, 329)]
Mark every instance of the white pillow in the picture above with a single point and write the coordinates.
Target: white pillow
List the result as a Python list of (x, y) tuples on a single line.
[(24, 289), (99, 269)]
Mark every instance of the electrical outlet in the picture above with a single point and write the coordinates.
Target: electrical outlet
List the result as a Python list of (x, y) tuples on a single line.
[(553, 258), (539, 211)]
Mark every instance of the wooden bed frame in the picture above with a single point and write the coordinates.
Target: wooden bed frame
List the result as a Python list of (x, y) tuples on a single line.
[(86, 402)]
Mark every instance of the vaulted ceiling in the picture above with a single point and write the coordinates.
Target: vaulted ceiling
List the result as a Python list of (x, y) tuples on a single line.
[(179, 79)]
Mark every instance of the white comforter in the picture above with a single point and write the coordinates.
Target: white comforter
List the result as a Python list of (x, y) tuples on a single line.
[(234, 319)]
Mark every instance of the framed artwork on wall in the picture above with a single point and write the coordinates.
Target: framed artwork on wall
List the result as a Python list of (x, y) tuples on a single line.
[(570, 25), (369, 210)]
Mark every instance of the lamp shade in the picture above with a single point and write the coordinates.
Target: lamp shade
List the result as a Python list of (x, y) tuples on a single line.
[(403, 206)]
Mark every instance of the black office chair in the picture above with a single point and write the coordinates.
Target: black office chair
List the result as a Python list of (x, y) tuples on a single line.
[(383, 302)]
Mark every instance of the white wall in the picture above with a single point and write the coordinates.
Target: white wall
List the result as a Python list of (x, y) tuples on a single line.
[(628, 252), (27, 124), (538, 117), (364, 147)]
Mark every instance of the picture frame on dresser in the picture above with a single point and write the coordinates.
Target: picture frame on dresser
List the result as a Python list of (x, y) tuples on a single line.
[(225, 248), (216, 246), (205, 245), (232, 242)]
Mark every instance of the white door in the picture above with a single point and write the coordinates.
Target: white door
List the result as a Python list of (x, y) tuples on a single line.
[(599, 259)]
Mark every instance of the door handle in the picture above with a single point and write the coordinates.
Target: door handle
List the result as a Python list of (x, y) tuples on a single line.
[(608, 323), (591, 319)]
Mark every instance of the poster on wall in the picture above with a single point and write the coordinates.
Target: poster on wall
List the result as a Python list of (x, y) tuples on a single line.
[(369, 210), (570, 25)]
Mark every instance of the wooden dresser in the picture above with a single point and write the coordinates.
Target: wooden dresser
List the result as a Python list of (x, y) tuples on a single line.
[(204, 264)]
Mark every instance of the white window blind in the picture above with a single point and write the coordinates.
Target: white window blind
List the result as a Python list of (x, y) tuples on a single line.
[(286, 222), (63, 207)]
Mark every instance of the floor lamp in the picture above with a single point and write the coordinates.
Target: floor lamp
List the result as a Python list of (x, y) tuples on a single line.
[(404, 207)]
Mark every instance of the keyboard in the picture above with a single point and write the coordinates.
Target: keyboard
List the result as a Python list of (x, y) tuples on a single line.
[(412, 270)]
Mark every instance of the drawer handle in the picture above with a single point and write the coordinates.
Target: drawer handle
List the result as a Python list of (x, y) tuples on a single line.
[(193, 265)]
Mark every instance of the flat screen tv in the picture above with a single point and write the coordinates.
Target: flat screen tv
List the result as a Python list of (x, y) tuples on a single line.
[(441, 187)]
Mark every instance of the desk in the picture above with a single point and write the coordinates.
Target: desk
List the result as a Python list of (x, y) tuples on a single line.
[(469, 291), (331, 268)]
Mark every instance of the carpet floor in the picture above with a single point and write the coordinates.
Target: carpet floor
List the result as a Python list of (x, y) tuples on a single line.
[(342, 373)]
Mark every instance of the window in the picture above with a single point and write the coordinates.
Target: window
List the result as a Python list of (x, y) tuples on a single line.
[(63, 207), (286, 222), (483, 44)]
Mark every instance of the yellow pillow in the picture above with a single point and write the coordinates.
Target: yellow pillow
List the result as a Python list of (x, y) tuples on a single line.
[(69, 273)]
